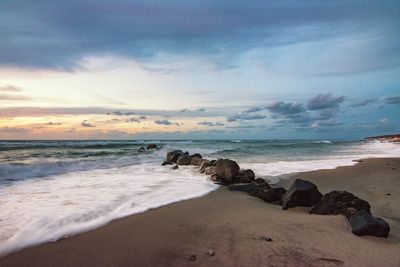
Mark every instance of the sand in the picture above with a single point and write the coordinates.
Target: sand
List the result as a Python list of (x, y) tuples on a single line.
[(236, 227)]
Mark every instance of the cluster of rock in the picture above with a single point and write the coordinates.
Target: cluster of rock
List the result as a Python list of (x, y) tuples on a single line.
[(222, 171), (149, 147), (301, 193)]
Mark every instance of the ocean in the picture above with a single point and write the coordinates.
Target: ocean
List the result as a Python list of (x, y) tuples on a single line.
[(54, 189)]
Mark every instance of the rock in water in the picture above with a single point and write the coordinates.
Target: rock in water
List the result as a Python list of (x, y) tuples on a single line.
[(166, 163), (205, 163), (174, 155), (244, 176), (210, 170), (226, 170), (260, 181), (183, 160), (196, 159), (141, 149), (301, 193), (340, 202), (363, 223), (175, 167), (152, 146)]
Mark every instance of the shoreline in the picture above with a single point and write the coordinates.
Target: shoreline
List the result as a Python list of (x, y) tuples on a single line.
[(232, 222)]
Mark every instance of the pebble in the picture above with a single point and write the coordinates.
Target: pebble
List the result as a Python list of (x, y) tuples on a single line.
[(211, 252), (192, 257)]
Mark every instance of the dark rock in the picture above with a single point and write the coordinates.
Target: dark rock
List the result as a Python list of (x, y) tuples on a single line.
[(269, 194), (301, 193), (340, 202), (183, 160), (210, 170), (192, 257), (248, 188), (152, 146), (166, 163), (213, 162), (244, 176), (175, 167), (141, 149), (226, 170), (363, 223), (196, 159), (205, 163), (260, 181), (174, 155), (214, 178)]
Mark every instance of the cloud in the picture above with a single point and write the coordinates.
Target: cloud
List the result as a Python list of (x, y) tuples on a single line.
[(254, 109), (54, 123), (393, 99), (10, 88), (15, 130), (365, 102), (166, 122), (47, 37), (87, 124), (244, 117), (286, 108), (329, 122), (13, 97), (210, 123), (323, 101), (133, 120)]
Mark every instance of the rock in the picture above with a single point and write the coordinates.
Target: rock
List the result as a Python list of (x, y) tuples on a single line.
[(152, 146), (269, 194), (244, 176), (141, 149), (226, 170), (214, 178), (363, 223), (260, 181), (211, 252), (192, 257), (196, 159), (205, 163), (248, 188), (183, 160), (301, 193), (166, 163), (210, 170), (340, 202), (174, 155), (175, 167)]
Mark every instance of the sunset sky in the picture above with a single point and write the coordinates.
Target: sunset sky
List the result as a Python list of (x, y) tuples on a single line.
[(144, 69)]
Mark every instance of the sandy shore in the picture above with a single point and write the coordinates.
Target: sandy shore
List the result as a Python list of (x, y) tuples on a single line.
[(234, 225)]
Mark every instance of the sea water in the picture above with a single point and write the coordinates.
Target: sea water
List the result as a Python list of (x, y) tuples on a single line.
[(54, 189)]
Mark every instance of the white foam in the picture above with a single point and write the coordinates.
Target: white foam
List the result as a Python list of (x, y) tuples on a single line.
[(36, 211)]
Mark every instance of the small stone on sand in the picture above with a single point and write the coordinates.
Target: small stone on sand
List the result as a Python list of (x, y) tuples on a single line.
[(211, 252), (192, 257)]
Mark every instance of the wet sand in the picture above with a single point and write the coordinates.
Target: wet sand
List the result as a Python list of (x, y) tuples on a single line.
[(237, 226)]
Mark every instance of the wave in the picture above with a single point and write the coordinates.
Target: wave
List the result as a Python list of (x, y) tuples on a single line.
[(323, 142)]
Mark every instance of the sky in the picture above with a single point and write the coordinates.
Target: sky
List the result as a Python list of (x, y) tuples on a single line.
[(211, 69)]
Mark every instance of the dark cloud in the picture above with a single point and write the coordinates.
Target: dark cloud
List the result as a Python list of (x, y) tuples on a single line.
[(286, 108), (244, 117), (54, 123), (133, 120), (210, 123), (365, 102), (254, 109), (323, 101), (393, 99), (166, 122), (87, 124), (57, 34)]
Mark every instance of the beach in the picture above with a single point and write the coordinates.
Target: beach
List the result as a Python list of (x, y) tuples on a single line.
[(241, 230)]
